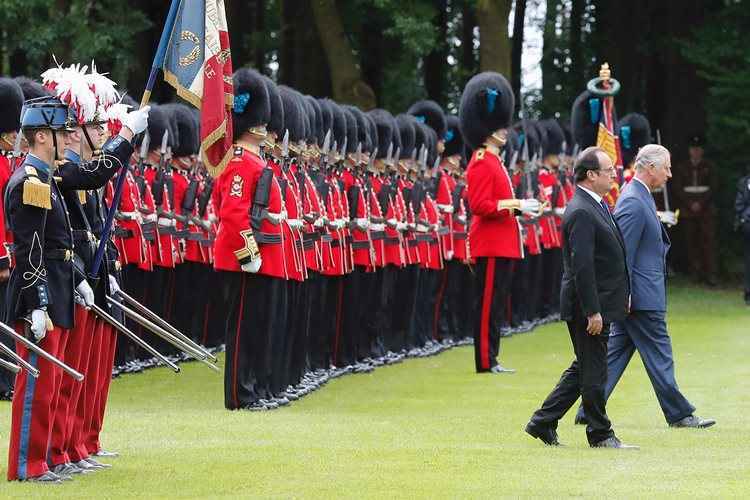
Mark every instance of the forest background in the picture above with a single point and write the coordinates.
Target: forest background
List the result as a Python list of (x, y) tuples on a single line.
[(683, 63)]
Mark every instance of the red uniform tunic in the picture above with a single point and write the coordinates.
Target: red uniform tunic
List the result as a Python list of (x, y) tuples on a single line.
[(233, 196), (164, 249), (410, 241), (395, 220), (312, 211), (430, 250), (358, 214), (444, 200), (6, 238), (377, 219), (194, 251), (460, 224), (531, 231), (179, 189), (292, 225), (493, 232), (131, 246), (333, 241)]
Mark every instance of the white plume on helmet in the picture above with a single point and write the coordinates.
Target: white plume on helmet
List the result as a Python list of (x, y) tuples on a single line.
[(103, 87), (71, 86)]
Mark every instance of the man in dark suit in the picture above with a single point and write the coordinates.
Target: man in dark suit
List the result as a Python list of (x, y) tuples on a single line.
[(595, 292), (645, 327)]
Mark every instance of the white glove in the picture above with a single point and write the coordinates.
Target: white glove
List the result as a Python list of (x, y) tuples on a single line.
[(447, 209), (401, 226), (86, 293), (253, 266), (114, 286), (530, 206), (667, 218), (137, 120), (559, 211), (39, 324), (362, 224), (295, 224), (150, 218), (319, 222), (377, 227), (393, 222), (449, 255)]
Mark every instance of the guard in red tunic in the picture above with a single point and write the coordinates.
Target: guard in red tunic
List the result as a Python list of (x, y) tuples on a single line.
[(11, 101), (249, 250), (494, 236)]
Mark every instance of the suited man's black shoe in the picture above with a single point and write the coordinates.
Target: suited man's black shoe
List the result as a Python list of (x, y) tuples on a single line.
[(546, 435), (694, 422), (613, 442)]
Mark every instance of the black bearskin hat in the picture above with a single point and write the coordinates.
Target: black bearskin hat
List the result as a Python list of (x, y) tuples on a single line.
[(527, 133), (158, 123), (454, 141), (555, 137), (326, 115), (186, 140), (276, 122), (385, 125), (31, 88), (293, 120), (569, 142), (431, 140), (11, 102), (486, 106), (635, 132), (363, 129), (352, 134), (431, 114), (372, 133), (583, 124), (252, 106), (406, 133), (338, 124), (317, 116)]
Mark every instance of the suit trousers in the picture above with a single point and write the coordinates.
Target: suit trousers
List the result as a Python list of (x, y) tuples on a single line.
[(646, 331), (586, 377)]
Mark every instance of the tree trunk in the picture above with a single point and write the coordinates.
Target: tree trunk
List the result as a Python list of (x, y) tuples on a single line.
[(577, 78), (468, 54), (517, 50), (346, 76), (494, 47), (435, 63), (550, 47)]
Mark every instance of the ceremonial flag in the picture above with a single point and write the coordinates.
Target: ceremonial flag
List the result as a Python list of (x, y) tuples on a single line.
[(610, 142), (198, 64)]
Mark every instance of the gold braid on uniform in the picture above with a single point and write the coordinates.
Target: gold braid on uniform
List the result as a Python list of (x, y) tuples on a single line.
[(35, 192)]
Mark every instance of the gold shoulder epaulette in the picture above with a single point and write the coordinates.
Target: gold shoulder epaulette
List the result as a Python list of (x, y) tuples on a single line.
[(480, 153), (36, 193)]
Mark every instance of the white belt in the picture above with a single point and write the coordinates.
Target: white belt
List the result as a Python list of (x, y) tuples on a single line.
[(276, 218), (447, 209), (165, 222)]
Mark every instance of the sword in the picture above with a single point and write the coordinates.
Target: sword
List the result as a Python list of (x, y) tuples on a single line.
[(10, 366), (152, 316), (21, 363), (132, 336), (31, 346), (162, 333)]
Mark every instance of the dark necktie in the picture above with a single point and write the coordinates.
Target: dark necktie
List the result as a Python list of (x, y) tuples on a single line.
[(605, 209)]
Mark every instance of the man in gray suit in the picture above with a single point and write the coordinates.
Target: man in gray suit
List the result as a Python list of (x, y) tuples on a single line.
[(645, 328)]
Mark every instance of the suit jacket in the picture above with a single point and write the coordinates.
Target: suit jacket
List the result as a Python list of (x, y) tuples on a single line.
[(646, 247), (595, 275)]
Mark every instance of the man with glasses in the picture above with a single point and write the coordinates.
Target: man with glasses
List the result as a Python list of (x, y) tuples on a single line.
[(645, 327), (594, 293)]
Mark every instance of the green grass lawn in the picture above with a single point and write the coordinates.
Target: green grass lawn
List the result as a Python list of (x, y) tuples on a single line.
[(431, 428)]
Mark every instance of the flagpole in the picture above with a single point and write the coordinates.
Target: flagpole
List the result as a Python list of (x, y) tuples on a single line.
[(161, 51)]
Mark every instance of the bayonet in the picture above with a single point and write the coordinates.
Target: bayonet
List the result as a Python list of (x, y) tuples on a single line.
[(285, 145), (17, 145), (436, 164), (513, 161), (326, 143), (343, 147), (358, 153), (389, 155)]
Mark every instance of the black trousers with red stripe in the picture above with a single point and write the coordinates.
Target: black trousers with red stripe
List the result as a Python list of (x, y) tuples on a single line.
[(494, 276), (257, 317)]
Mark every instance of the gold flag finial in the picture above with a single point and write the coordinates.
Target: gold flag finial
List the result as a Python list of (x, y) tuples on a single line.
[(604, 72)]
